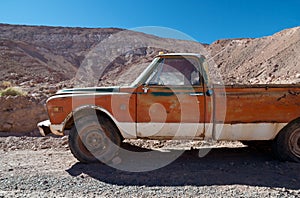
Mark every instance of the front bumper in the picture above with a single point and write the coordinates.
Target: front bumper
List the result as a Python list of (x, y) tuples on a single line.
[(45, 128)]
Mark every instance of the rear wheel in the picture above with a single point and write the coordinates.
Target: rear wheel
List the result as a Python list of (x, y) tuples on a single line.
[(94, 139), (286, 146)]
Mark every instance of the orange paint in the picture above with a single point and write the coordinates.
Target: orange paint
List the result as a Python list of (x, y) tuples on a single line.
[(258, 104)]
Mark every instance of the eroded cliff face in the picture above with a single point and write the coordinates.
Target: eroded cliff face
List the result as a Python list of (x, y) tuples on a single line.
[(42, 60), (20, 114)]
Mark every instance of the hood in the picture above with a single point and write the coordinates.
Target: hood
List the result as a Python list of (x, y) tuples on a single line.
[(88, 90)]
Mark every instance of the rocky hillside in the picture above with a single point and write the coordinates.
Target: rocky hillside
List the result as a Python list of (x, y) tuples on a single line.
[(271, 59), (42, 60), (53, 54)]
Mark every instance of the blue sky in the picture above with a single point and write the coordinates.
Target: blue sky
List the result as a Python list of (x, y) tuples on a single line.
[(205, 21)]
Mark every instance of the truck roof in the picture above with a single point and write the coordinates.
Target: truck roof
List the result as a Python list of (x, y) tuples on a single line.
[(180, 54)]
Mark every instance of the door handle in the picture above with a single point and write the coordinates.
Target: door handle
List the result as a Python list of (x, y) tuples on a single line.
[(197, 94)]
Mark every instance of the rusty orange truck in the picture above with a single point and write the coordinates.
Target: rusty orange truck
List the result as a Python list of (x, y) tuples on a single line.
[(175, 98)]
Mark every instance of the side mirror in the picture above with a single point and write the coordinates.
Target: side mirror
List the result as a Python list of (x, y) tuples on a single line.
[(145, 88), (209, 92)]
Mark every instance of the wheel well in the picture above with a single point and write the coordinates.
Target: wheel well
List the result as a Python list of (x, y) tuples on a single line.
[(297, 120), (70, 123)]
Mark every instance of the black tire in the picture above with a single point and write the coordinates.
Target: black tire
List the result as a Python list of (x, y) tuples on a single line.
[(94, 139), (286, 146)]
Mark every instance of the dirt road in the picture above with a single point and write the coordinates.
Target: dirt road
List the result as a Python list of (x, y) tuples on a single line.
[(44, 167)]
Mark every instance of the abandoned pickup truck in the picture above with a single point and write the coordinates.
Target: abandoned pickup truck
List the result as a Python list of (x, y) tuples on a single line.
[(174, 98)]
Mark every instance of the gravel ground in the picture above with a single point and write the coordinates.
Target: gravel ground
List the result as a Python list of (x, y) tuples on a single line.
[(44, 167)]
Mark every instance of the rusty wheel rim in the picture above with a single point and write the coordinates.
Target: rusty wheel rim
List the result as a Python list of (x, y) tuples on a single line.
[(294, 143), (92, 142)]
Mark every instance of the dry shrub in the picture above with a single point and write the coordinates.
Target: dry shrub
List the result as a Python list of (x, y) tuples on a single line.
[(6, 84), (12, 91)]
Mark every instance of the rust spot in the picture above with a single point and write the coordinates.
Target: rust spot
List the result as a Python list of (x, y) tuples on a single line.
[(284, 96), (294, 93)]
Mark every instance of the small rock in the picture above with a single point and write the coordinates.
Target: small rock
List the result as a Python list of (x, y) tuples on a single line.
[(82, 176), (267, 163), (64, 137), (52, 89), (45, 182), (45, 147)]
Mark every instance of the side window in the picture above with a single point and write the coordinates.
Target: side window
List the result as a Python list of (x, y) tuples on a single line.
[(176, 71)]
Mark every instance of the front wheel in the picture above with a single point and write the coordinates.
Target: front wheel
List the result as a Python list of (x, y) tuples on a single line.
[(286, 145), (94, 139)]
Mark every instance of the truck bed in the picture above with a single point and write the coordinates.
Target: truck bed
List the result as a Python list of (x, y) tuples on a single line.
[(261, 103)]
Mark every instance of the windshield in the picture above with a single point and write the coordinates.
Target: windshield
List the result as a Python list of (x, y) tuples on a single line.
[(176, 71), (171, 70), (143, 76)]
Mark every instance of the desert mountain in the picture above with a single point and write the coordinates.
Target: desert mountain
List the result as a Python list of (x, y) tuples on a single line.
[(54, 54), (36, 52)]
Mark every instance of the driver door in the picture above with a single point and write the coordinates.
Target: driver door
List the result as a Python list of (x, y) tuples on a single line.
[(171, 103)]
